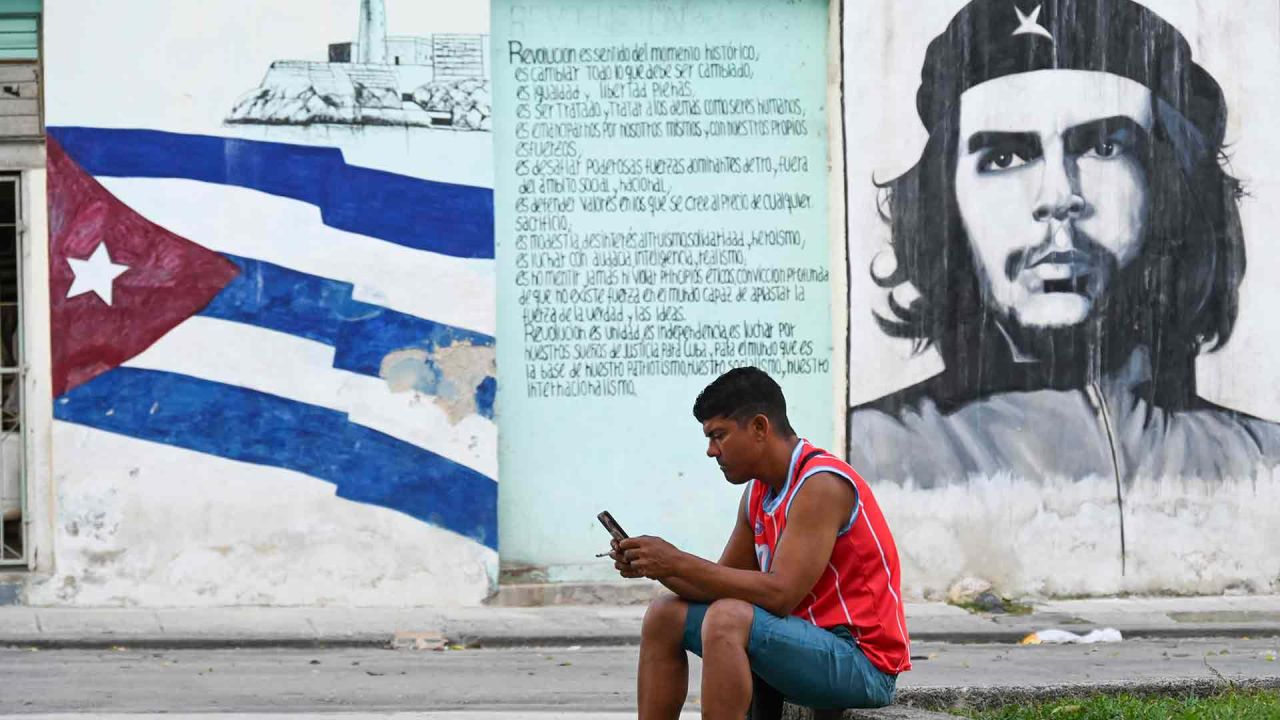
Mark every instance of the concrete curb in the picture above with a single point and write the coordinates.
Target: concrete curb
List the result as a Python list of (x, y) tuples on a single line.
[(1151, 632), (480, 639), (206, 642), (586, 625), (981, 698), (896, 713), (189, 643), (928, 703), (893, 712)]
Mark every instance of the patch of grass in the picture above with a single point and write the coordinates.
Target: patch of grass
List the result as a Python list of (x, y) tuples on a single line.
[(1011, 607), (1234, 705), (1016, 608)]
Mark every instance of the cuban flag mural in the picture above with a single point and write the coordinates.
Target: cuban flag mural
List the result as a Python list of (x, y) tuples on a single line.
[(272, 313)]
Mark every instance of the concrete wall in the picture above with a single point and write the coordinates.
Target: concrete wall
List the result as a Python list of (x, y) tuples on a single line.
[(271, 362), (272, 327), (1098, 420), (640, 256)]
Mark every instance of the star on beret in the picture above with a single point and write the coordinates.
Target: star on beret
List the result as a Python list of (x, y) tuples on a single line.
[(1030, 24)]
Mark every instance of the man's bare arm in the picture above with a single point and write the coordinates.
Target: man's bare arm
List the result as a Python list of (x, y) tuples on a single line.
[(818, 512)]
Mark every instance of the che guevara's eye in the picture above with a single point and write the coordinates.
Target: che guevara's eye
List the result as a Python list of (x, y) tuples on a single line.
[(1108, 148), (998, 160), (1110, 145)]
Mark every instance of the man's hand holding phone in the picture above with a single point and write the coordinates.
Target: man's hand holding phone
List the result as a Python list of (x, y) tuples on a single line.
[(615, 550), (650, 557), (646, 556), (619, 562)]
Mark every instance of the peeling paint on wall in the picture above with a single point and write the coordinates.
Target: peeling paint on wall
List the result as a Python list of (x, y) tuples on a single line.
[(452, 376)]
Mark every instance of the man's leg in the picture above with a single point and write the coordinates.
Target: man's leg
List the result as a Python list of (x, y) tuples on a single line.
[(814, 667), (663, 682), (726, 669)]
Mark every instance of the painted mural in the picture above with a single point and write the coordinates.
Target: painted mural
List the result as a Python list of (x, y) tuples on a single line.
[(436, 81), (1076, 243), (292, 296), (1067, 245)]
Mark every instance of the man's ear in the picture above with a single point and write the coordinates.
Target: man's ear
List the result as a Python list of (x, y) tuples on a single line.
[(760, 428)]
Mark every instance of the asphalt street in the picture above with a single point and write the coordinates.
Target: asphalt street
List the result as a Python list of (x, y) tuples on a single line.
[(519, 682)]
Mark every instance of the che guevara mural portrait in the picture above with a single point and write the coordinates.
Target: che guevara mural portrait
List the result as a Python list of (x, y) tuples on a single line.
[(1073, 234), (1061, 263)]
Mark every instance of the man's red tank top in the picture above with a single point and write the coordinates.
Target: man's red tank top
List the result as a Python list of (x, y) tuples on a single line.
[(861, 587)]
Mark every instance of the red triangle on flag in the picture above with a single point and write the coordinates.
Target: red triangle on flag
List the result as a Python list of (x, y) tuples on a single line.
[(168, 278)]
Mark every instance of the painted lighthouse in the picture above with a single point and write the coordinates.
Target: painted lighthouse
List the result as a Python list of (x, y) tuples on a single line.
[(437, 81)]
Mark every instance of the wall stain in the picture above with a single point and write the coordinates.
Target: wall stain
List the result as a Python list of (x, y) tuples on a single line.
[(105, 557), (448, 375), (69, 589)]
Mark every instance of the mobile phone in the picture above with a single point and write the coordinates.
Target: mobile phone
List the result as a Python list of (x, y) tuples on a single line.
[(612, 526)]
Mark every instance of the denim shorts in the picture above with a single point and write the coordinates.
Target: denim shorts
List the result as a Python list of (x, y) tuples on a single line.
[(810, 666)]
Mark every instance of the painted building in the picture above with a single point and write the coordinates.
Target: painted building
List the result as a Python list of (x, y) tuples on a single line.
[(258, 273)]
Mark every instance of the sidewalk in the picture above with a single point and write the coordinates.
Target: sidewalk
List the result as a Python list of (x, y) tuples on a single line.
[(590, 625)]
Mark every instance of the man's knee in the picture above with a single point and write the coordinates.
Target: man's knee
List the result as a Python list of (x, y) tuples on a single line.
[(728, 620), (665, 618)]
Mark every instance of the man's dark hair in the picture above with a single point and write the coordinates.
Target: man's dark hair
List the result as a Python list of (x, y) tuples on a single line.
[(1181, 295), (741, 394)]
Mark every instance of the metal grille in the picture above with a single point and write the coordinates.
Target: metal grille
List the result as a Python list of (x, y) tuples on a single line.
[(14, 518)]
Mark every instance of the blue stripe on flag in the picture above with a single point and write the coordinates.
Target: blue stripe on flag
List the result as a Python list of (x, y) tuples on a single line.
[(365, 340), (285, 300), (440, 217), (485, 395), (316, 308), (254, 427)]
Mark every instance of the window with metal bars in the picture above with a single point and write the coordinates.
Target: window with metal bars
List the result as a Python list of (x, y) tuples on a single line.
[(13, 496)]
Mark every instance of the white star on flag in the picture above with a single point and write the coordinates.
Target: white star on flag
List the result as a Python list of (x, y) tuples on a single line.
[(1030, 24), (96, 274)]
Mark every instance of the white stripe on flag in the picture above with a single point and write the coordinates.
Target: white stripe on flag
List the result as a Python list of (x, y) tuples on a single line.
[(203, 530), (290, 233), (299, 369)]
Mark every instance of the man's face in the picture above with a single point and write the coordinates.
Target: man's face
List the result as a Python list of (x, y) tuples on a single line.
[(733, 447), (1051, 189)]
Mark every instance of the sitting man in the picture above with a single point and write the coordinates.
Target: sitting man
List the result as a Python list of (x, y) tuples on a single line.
[(818, 618)]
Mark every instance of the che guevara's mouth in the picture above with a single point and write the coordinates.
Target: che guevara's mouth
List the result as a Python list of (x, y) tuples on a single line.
[(1076, 284), (1062, 271)]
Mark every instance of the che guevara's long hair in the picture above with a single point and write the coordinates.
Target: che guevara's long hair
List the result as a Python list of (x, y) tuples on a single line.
[(1181, 294)]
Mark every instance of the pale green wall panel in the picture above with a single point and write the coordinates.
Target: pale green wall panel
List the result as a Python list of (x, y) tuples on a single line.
[(661, 201)]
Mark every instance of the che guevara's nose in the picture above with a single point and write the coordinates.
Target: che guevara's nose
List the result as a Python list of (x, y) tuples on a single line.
[(1060, 196)]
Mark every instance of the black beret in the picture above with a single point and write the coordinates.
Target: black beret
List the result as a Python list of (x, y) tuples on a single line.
[(989, 39)]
